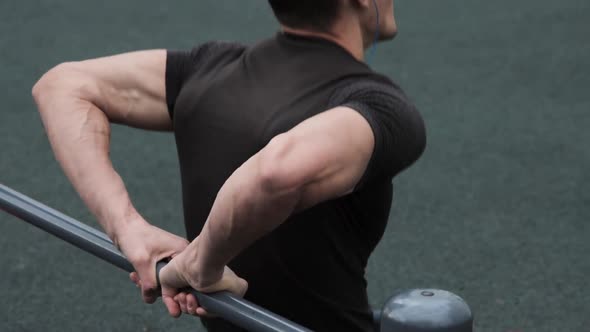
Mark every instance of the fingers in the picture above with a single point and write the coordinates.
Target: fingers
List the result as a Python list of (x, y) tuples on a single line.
[(146, 274), (189, 304), (201, 312), (144, 245), (149, 293), (172, 306), (134, 277), (181, 299), (149, 289)]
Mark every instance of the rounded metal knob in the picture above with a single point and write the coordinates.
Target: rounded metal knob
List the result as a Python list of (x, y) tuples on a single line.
[(426, 310)]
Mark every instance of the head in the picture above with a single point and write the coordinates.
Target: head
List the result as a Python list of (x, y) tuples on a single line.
[(328, 15)]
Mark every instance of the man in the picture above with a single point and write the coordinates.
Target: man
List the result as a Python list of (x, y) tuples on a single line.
[(287, 149)]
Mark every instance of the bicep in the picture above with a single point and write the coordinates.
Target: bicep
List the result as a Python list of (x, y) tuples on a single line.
[(129, 88), (324, 156)]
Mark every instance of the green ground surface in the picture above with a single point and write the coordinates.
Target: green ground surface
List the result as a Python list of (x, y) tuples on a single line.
[(497, 210)]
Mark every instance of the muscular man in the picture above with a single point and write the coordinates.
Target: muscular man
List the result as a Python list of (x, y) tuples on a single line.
[(287, 150)]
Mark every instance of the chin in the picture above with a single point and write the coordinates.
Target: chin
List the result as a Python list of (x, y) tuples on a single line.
[(389, 33), (388, 28)]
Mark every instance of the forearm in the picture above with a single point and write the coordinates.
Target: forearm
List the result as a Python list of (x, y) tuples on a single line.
[(79, 134), (246, 208)]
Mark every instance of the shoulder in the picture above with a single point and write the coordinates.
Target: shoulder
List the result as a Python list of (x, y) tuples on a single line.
[(380, 100), (221, 49), (373, 88), (398, 127), (200, 61), (207, 54)]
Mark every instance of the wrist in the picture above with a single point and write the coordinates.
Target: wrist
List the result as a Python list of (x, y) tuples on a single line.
[(121, 227), (194, 270)]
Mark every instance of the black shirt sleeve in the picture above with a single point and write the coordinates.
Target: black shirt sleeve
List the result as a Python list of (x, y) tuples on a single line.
[(182, 64), (398, 128)]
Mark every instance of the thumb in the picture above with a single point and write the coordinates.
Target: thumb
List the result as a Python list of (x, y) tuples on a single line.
[(171, 278), (149, 291), (172, 306), (229, 282), (149, 287), (239, 287)]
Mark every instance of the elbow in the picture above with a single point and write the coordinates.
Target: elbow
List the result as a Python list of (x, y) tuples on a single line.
[(275, 169), (55, 81)]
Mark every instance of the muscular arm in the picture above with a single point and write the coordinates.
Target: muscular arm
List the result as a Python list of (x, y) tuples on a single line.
[(322, 158), (375, 135), (77, 101)]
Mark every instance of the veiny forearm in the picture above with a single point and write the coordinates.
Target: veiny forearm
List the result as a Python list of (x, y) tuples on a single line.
[(79, 134), (246, 208)]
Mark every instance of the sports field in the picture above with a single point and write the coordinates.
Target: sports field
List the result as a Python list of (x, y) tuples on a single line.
[(497, 210)]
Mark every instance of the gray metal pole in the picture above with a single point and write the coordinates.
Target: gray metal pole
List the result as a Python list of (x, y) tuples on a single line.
[(223, 304)]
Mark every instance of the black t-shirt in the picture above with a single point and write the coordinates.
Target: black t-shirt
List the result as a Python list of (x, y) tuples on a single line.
[(227, 102)]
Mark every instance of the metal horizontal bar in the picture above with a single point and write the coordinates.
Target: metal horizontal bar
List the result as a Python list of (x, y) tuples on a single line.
[(223, 304)]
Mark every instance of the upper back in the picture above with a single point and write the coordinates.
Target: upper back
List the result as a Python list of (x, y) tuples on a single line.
[(237, 98)]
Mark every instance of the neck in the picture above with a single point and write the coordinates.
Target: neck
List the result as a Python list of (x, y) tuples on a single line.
[(348, 36)]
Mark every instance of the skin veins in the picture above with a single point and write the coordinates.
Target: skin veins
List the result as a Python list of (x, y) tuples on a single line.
[(77, 102), (256, 199)]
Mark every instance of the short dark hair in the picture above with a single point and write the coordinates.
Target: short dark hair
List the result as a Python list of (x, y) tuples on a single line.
[(314, 14)]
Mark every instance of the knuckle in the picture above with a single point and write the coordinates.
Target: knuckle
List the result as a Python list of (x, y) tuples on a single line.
[(148, 286), (142, 258)]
